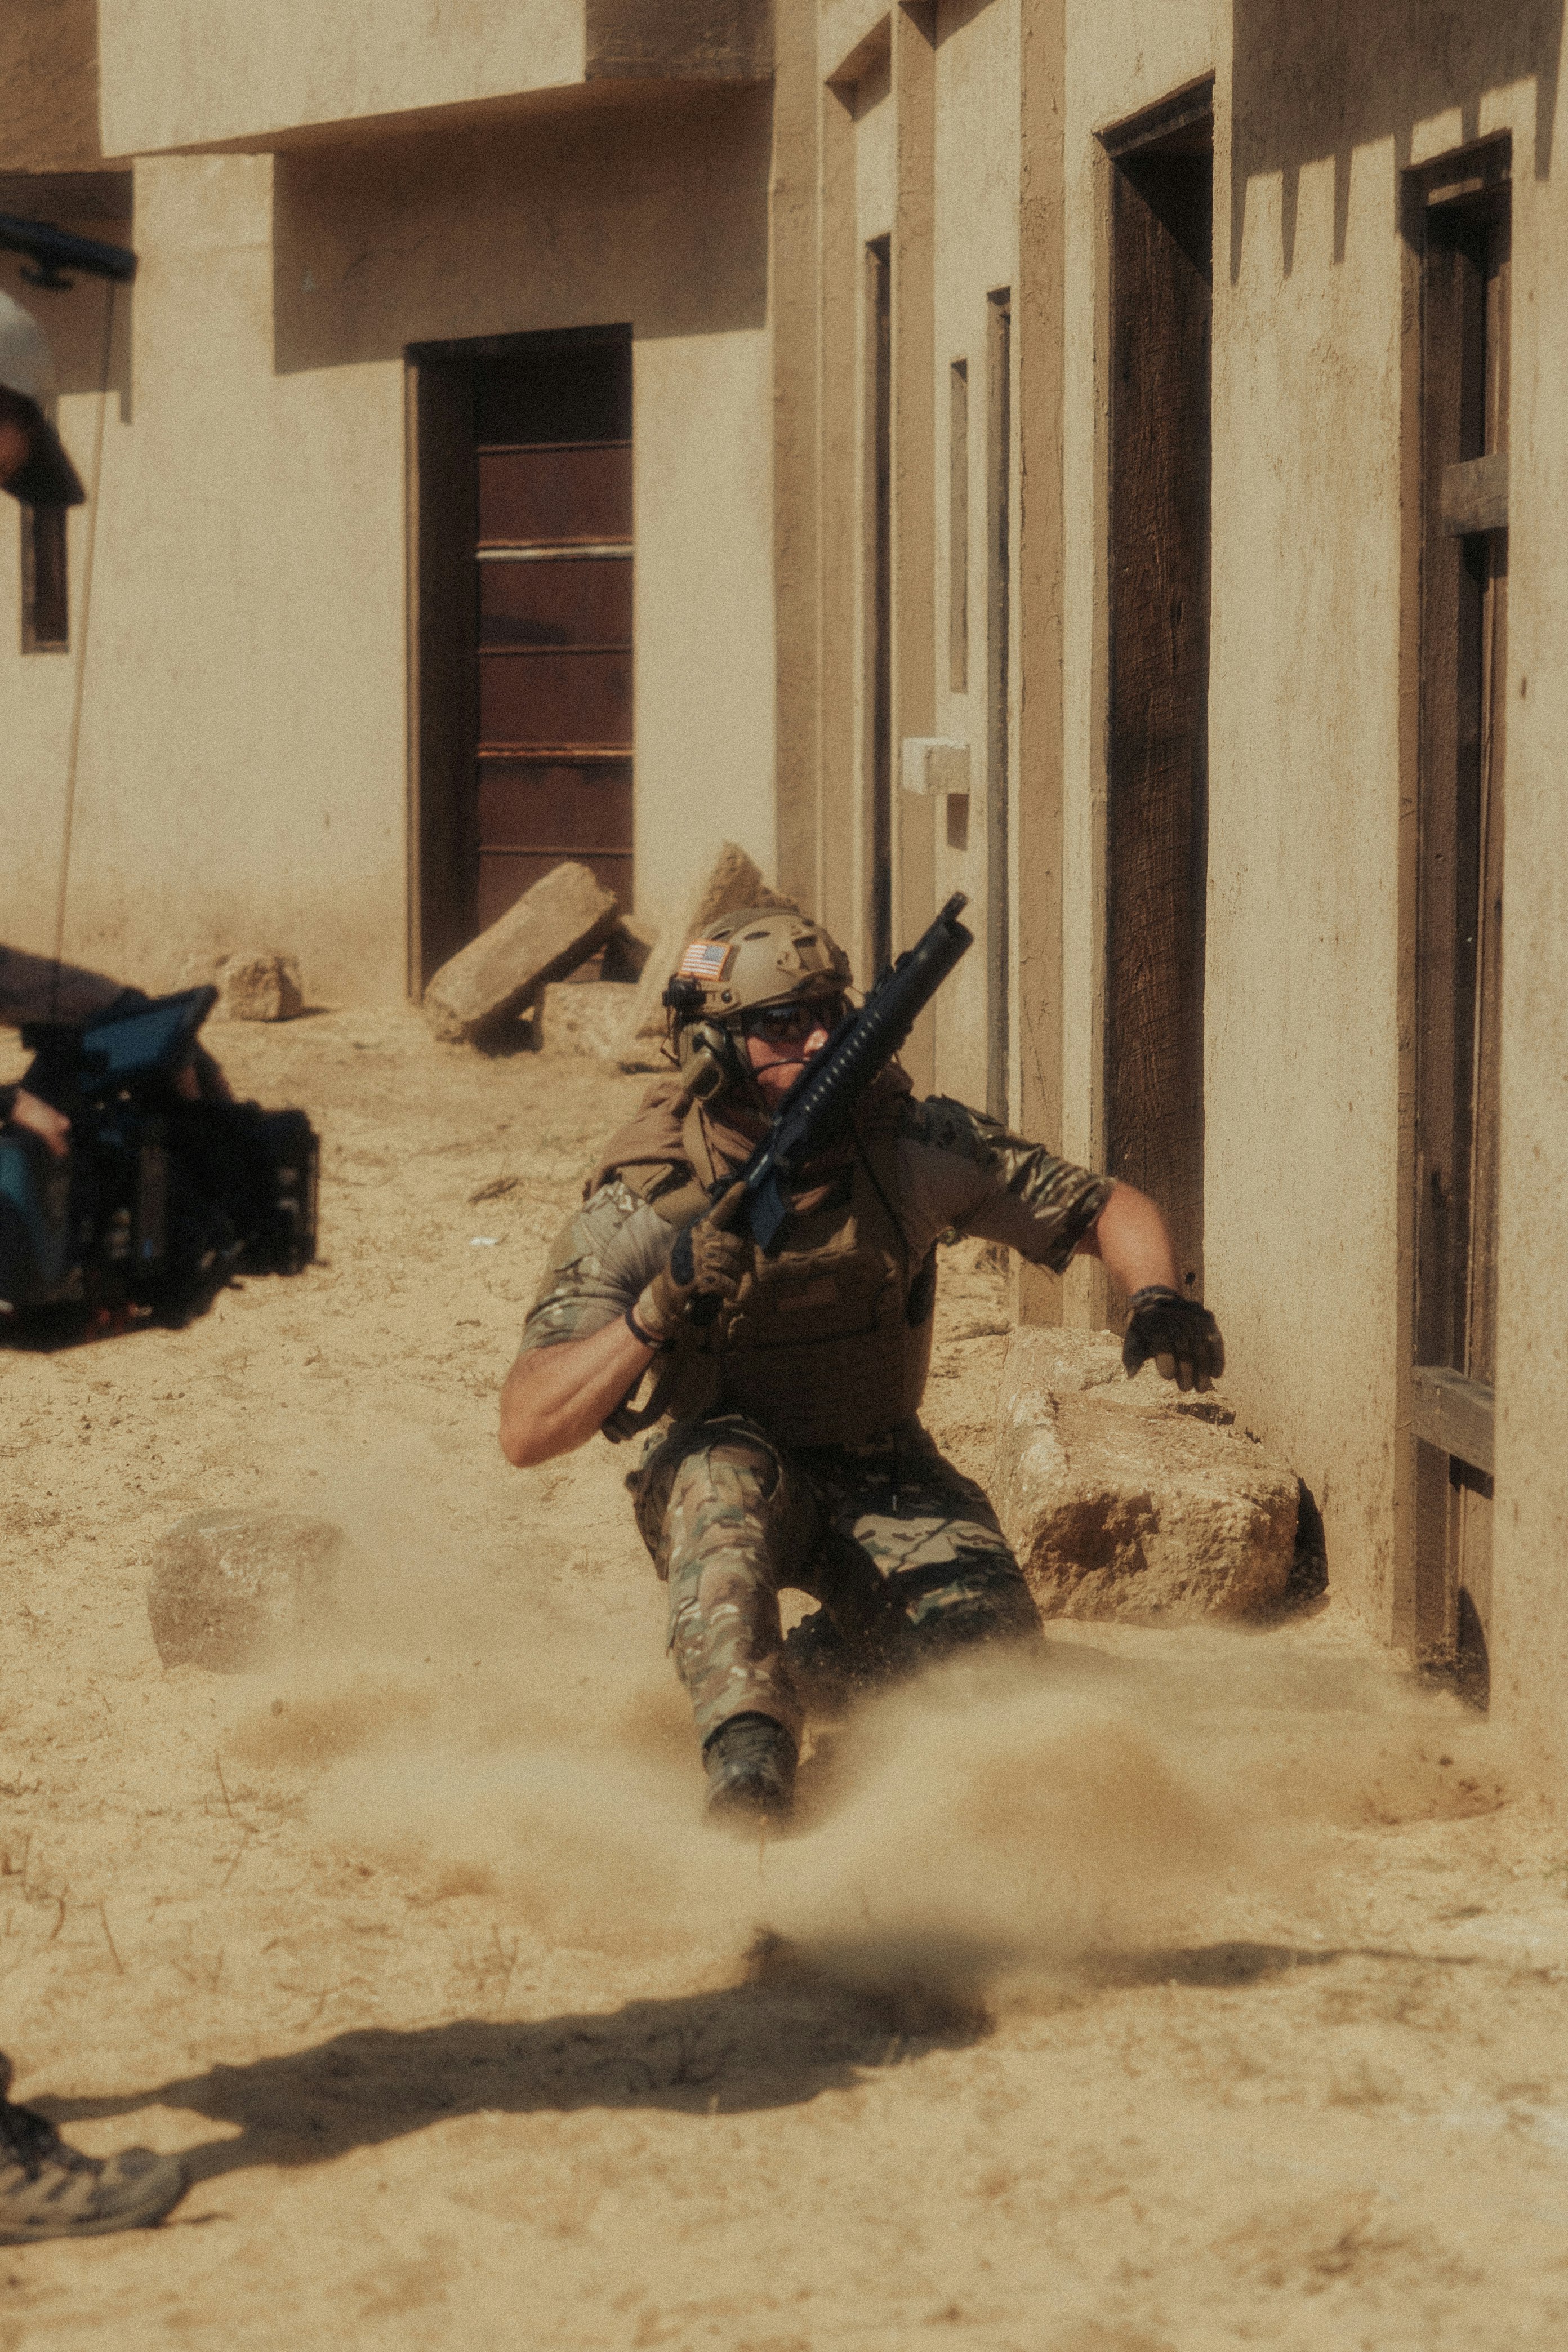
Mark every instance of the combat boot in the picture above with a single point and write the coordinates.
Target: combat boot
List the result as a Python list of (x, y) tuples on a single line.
[(751, 1773), (50, 2191)]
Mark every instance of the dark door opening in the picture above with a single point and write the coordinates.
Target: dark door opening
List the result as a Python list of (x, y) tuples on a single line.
[(524, 650), (1465, 245), (998, 639), (878, 631), (1157, 812)]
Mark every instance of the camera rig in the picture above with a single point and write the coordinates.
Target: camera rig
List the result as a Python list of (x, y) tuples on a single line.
[(158, 1201)]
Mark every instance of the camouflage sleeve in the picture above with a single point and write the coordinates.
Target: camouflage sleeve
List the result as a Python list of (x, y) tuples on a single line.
[(599, 1262), (961, 1173)]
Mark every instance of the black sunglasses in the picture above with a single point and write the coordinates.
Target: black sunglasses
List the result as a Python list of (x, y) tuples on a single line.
[(791, 1023)]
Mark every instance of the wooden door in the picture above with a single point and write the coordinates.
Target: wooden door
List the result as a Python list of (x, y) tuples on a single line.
[(553, 593), (1157, 796), (1460, 914)]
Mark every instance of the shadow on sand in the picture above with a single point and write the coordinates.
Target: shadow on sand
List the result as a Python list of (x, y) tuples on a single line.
[(780, 2039)]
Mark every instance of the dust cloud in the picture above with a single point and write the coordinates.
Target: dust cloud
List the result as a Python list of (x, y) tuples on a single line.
[(998, 1825)]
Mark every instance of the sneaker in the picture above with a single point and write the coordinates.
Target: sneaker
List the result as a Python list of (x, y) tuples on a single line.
[(751, 1773), (50, 2191)]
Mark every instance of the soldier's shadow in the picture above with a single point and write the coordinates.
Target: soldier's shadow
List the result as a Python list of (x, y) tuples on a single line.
[(751, 2046)]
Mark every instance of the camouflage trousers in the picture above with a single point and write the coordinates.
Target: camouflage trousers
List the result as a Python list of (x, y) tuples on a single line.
[(903, 1552)]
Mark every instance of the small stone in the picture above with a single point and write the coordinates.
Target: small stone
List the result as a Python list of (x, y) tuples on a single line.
[(1125, 1498), (552, 928), (587, 1017), (733, 880), (258, 985), (232, 1590)]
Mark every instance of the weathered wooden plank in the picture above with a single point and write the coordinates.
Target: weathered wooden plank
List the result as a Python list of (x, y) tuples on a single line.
[(1455, 1414), (1474, 494)]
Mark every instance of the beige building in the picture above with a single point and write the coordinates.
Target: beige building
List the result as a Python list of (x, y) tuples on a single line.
[(1099, 457)]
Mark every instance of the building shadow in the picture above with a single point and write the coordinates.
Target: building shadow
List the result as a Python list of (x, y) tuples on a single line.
[(1312, 83), (489, 227)]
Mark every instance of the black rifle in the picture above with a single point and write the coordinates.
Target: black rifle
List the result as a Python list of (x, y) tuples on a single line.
[(821, 1103)]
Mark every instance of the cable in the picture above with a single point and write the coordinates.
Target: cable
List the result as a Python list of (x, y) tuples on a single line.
[(80, 678)]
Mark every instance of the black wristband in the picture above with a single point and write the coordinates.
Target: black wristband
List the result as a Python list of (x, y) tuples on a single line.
[(647, 1338), (1160, 1292)]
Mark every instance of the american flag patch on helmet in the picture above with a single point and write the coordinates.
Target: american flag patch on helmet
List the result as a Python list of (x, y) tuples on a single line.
[(704, 960)]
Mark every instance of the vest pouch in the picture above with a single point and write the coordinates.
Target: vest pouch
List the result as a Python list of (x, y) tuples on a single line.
[(815, 1345)]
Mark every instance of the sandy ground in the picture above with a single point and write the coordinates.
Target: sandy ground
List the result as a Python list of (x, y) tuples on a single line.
[(1192, 1991)]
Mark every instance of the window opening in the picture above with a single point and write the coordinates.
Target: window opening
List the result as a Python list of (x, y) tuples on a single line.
[(45, 585), (958, 529)]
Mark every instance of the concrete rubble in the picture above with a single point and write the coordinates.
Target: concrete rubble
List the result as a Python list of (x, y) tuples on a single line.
[(232, 1590), (733, 880), (258, 985), (588, 1019), (628, 949), (1125, 1498), (553, 926)]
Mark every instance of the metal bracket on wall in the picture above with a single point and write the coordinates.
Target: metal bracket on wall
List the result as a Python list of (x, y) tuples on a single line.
[(1455, 1414)]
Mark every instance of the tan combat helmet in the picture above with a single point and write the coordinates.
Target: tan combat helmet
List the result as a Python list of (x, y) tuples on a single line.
[(759, 955)]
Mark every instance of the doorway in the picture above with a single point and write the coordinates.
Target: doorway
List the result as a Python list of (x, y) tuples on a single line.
[(523, 647), (1157, 734), (1464, 236), (876, 635)]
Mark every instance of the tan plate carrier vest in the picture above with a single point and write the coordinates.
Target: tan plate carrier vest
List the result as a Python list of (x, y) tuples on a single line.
[(828, 1341)]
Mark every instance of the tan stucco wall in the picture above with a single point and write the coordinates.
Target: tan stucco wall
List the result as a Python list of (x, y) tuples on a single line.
[(244, 769), (1313, 421), (1302, 1065), (1312, 415), (1118, 62), (975, 254), (1530, 1583), (205, 73), (180, 75), (48, 85), (240, 776)]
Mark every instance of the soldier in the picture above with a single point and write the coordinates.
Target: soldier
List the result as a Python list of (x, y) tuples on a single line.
[(789, 1450)]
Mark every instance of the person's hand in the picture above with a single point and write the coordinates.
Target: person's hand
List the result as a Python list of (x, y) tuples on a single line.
[(1179, 1333), (707, 1261), (201, 1080), (41, 1118)]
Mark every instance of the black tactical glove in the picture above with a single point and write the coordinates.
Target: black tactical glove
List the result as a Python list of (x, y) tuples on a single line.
[(707, 1261), (1179, 1333)]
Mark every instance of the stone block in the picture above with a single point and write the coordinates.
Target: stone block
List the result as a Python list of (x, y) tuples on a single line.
[(258, 985), (1127, 1499), (628, 949), (231, 1590), (733, 880), (552, 928), (587, 1017)]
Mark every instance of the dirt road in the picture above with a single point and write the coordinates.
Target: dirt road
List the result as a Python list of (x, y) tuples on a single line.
[(1189, 1993)]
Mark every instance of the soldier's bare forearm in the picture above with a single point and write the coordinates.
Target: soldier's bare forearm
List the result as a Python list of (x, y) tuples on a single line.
[(1132, 1242), (555, 1399)]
